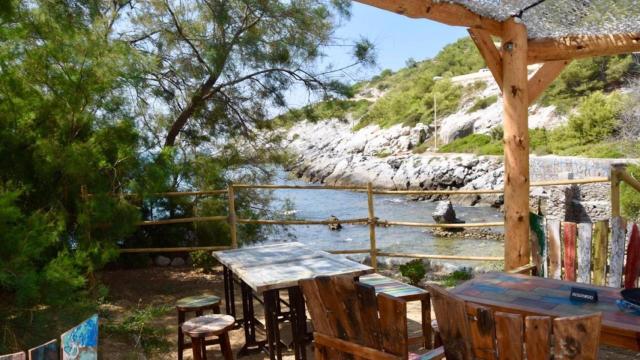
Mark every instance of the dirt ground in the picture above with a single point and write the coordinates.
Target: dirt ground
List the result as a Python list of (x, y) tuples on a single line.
[(134, 289)]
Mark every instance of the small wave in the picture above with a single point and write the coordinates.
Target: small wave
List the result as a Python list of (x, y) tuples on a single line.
[(348, 240), (289, 212)]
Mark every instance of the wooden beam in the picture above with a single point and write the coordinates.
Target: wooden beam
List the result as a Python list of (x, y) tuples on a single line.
[(489, 52), (575, 47), (541, 80), (446, 13), (516, 145)]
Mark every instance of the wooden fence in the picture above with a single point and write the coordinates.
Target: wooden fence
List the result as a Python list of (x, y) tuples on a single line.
[(618, 174)]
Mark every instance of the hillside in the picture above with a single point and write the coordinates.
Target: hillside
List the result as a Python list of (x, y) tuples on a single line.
[(580, 114)]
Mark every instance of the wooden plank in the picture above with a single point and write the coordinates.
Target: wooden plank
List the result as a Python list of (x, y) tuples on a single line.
[(569, 232), (538, 337), (616, 256), (368, 306), (453, 325), (538, 244), (600, 239), (555, 251), (232, 218), (489, 52), (516, 144), (393, 324), (483, 332), (509, 330), (632, 270), (615, 188), (338, 294), (81, 342), (576, 337), (372, 228), (584, 252), (351, 348), (15, 356), (46, 351), (545, 75), (580, 46)]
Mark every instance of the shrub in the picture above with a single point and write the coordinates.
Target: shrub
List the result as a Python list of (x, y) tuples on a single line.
[(480, 144), (414, 270), (456, 277), (202, 259), (629, 197), (597, 118), (483, 103)]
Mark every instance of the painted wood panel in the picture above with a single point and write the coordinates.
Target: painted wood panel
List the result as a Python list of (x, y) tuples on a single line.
[(14, 356), (538, 244), (600, 240), (584, 253), (47, 351), (81, 342), (616, 255), (555, 251), (632, 269), (570, 231)]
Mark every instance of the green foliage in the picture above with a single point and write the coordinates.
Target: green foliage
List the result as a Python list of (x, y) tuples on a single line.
[(202, 259), (383, 153), (330, 109), (597, 118), (483, 103), (584, 77), (479, 144), (414, 270), (629, 197), (139, 324), (457, 277)]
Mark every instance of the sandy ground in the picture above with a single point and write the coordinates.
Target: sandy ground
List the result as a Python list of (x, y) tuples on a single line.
[(131, 289)]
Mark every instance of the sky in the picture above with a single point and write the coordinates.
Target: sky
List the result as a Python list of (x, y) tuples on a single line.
[(396, 38)]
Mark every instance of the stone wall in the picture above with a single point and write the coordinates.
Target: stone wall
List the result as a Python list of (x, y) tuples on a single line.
[(576, 203), (552, 167)]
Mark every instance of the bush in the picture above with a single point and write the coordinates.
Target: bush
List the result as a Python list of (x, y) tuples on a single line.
[(202, 259), (483, 103), (456, 277), (629, 197), (480, 144), (597, 118), (414, 270)]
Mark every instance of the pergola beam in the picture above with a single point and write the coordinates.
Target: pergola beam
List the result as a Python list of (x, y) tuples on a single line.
[(541, 80), (446, 13), (576, 47), (489, 52)]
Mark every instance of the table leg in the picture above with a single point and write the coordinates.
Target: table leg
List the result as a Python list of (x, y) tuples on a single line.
[(249, 323), (298, 323), (273, 330), (426, 321)]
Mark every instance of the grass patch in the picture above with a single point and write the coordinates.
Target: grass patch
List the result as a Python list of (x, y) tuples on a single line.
[(383, 153), (139, 325), (483, 103), (479, 144), (456, 277)]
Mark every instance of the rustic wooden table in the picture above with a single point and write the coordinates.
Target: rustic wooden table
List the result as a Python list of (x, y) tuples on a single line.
[(265, 270), (529, 295)]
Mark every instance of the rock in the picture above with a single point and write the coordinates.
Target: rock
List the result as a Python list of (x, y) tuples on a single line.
[(444, 214), (335, 226), (178, 262), (162, 260)]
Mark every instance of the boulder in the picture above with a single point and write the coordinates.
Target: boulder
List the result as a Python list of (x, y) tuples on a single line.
[(334, 226), (177, 262), (444, 214), (162, 260)]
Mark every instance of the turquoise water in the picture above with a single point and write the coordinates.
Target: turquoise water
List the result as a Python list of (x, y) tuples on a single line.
[(320, 204)]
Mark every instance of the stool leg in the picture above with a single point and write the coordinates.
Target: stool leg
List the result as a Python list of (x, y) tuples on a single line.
[(225, 346), (197, 348), (180, 334), (216, 309), (204, 348)]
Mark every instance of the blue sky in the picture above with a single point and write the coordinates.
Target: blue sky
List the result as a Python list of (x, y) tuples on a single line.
[(396, 38)]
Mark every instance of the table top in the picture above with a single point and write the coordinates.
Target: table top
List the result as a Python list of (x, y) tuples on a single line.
[(393, 287), (535, 295), (281, 266)]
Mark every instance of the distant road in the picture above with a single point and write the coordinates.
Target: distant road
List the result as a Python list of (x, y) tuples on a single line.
[(484, 75)]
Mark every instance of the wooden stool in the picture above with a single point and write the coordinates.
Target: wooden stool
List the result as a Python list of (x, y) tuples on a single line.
[(197, 304), (209, 325)]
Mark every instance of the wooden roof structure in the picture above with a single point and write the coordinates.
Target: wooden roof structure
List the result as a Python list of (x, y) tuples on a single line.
[(553, 33)]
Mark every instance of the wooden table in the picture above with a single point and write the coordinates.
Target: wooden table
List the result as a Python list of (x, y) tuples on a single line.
[(529, 295), (407, 292), (265, 270)]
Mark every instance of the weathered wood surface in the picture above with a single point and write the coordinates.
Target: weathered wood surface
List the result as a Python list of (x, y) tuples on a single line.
[(528, 295), (555, 250), (483, 332), (584, 253), (600, 240), (576, 337), (46, 351), (633, 259), (616, 256), (538, 337), (14, 356), (509, 330), (453, 324), (570, 231), (539, 250), (280, 266)]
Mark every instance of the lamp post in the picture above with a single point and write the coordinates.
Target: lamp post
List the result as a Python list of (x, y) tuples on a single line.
[(435, 114)]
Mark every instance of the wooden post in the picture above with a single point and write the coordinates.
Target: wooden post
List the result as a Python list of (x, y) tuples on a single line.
[(372, 228), (615, 189), (516, 144), (233, 225)]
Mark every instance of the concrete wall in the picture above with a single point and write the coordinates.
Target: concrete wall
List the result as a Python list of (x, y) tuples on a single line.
[(553, 167)]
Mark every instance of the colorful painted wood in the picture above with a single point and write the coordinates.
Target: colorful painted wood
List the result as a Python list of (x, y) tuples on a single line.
[(600, 244), (528, 295), (195, 304), (633, 259), (81, 342), (47, 351), (616, 254), (570, 231), (555, 250), (385, 285), (14, 356), (584, 253), (538, 244), (205, 326)]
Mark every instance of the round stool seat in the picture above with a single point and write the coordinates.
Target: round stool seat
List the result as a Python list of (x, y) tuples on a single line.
[(208, 325), (197, 302)]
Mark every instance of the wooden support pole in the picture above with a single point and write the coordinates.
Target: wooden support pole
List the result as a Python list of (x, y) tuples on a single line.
[(233, 225), (516, 144), (615, 189), (541, 80), (372, 228), (489, 52)]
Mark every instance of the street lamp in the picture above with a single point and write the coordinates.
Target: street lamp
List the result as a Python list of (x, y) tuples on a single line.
[(435, 114)]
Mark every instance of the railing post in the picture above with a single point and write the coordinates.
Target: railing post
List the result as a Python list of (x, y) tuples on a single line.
[(233, 225), (372, 228), (615, 189)]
